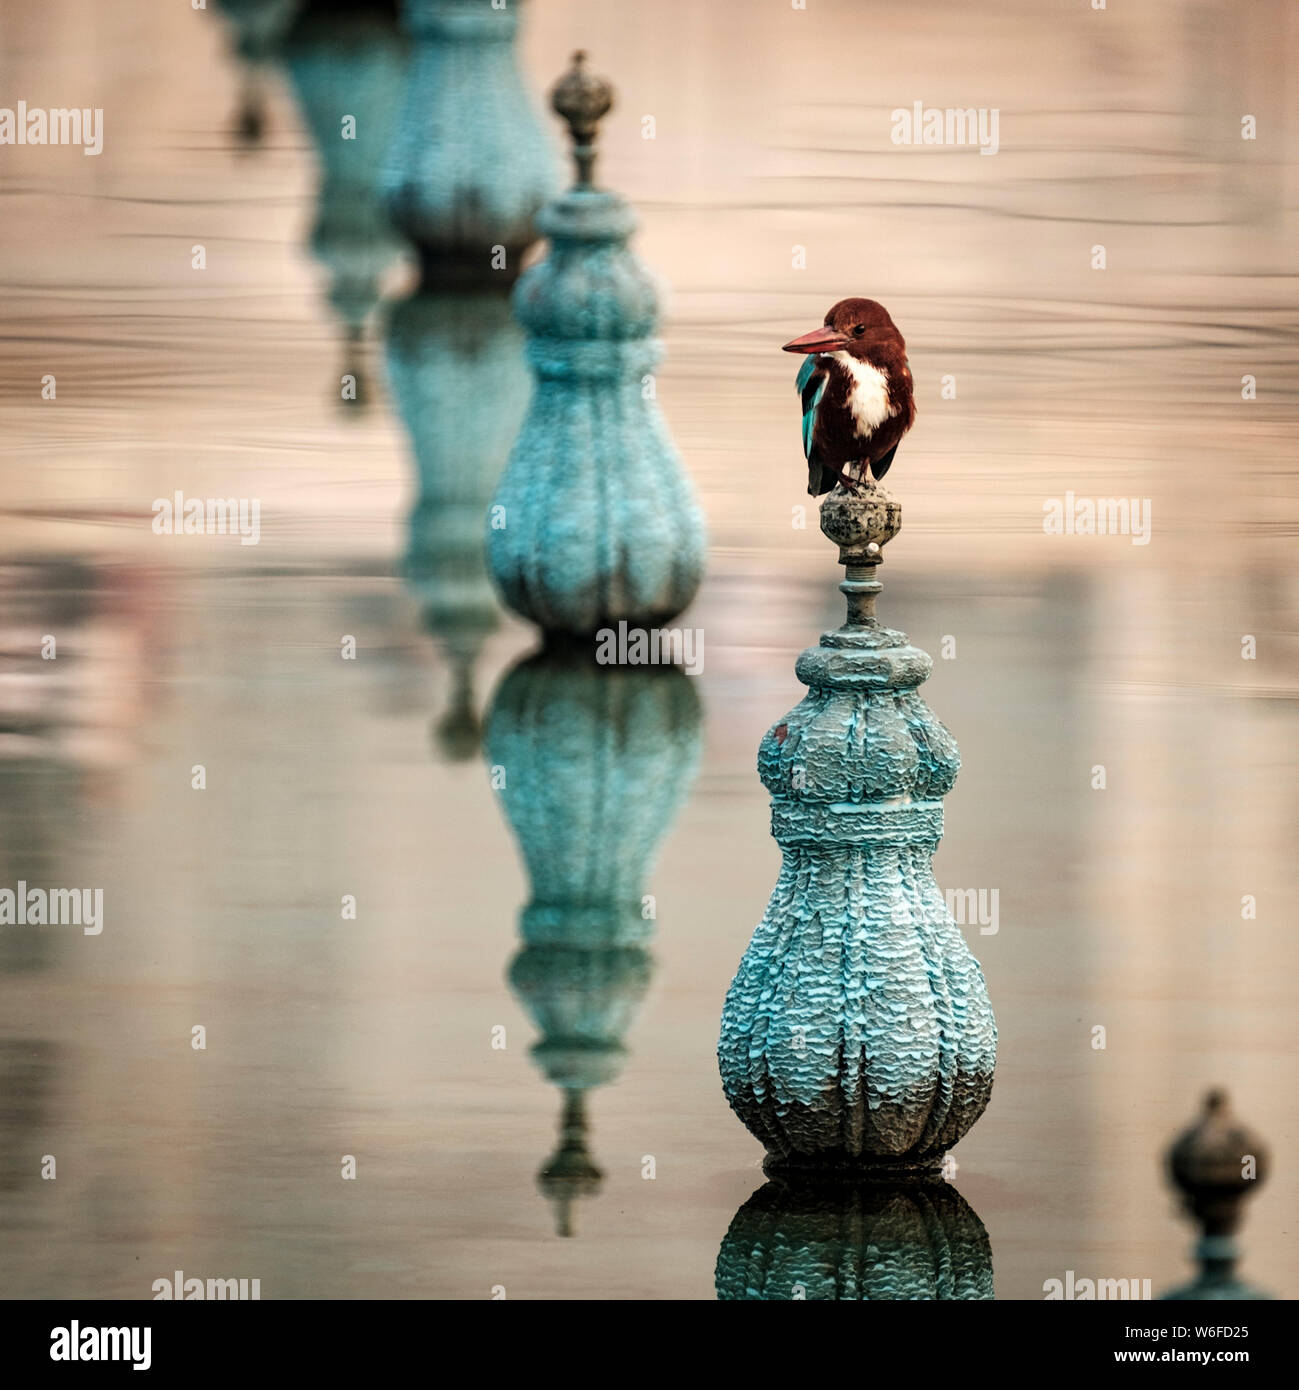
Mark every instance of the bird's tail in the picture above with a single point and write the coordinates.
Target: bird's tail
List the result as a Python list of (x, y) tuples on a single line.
[(881, 467)]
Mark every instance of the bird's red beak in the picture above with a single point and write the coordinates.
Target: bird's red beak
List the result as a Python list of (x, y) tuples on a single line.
[(823, 339)]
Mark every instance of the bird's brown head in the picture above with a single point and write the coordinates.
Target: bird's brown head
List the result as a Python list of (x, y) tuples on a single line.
[(855, 326)]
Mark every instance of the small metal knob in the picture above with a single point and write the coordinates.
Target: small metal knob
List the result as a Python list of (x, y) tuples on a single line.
[(582, 101), (1215, 1164)]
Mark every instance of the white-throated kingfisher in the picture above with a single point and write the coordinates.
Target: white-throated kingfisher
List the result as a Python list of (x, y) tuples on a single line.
[(856, 392)]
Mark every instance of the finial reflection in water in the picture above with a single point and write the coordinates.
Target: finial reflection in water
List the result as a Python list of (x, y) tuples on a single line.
[(465, 192), (851, 1241), (443, 344), (594, 761), (258, 27), (347, 62)]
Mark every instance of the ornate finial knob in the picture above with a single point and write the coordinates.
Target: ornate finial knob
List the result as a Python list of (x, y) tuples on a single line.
[(582, 100), (1215, 1164), (860, 522)]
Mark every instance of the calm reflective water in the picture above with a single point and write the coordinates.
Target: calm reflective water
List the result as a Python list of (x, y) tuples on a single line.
[(374, 1036)]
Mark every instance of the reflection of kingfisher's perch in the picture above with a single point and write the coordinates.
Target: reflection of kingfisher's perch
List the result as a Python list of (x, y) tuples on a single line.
[(844, 1241), (857, 1038)]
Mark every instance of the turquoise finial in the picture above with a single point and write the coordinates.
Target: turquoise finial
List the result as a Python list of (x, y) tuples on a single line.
[(470, 165), (595, 520), (857, 1035), (844, 1241)]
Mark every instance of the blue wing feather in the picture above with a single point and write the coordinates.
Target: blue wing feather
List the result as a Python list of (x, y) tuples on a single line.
[(811, 398)]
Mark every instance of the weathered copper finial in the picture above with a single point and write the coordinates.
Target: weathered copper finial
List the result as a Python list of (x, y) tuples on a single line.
[(860, 521), (882, 1058), (1216, 1164), (582, 100)]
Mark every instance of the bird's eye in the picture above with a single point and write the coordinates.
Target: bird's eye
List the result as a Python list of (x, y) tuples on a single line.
[(858, 329)]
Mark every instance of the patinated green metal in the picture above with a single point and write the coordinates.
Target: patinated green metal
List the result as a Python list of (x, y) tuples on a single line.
[(857, 1034), (470, 164), (595, 520)]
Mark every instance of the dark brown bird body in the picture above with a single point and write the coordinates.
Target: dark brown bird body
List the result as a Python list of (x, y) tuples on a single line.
[(856, 389)]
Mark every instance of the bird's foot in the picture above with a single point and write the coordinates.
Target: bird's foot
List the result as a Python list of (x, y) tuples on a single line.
[(856, 482)]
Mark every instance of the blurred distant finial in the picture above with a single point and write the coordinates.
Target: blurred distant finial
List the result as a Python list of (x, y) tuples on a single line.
[(582, 100), (1216, 1164)]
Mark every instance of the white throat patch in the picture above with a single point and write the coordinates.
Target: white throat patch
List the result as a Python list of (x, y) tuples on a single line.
[(869, 398)]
